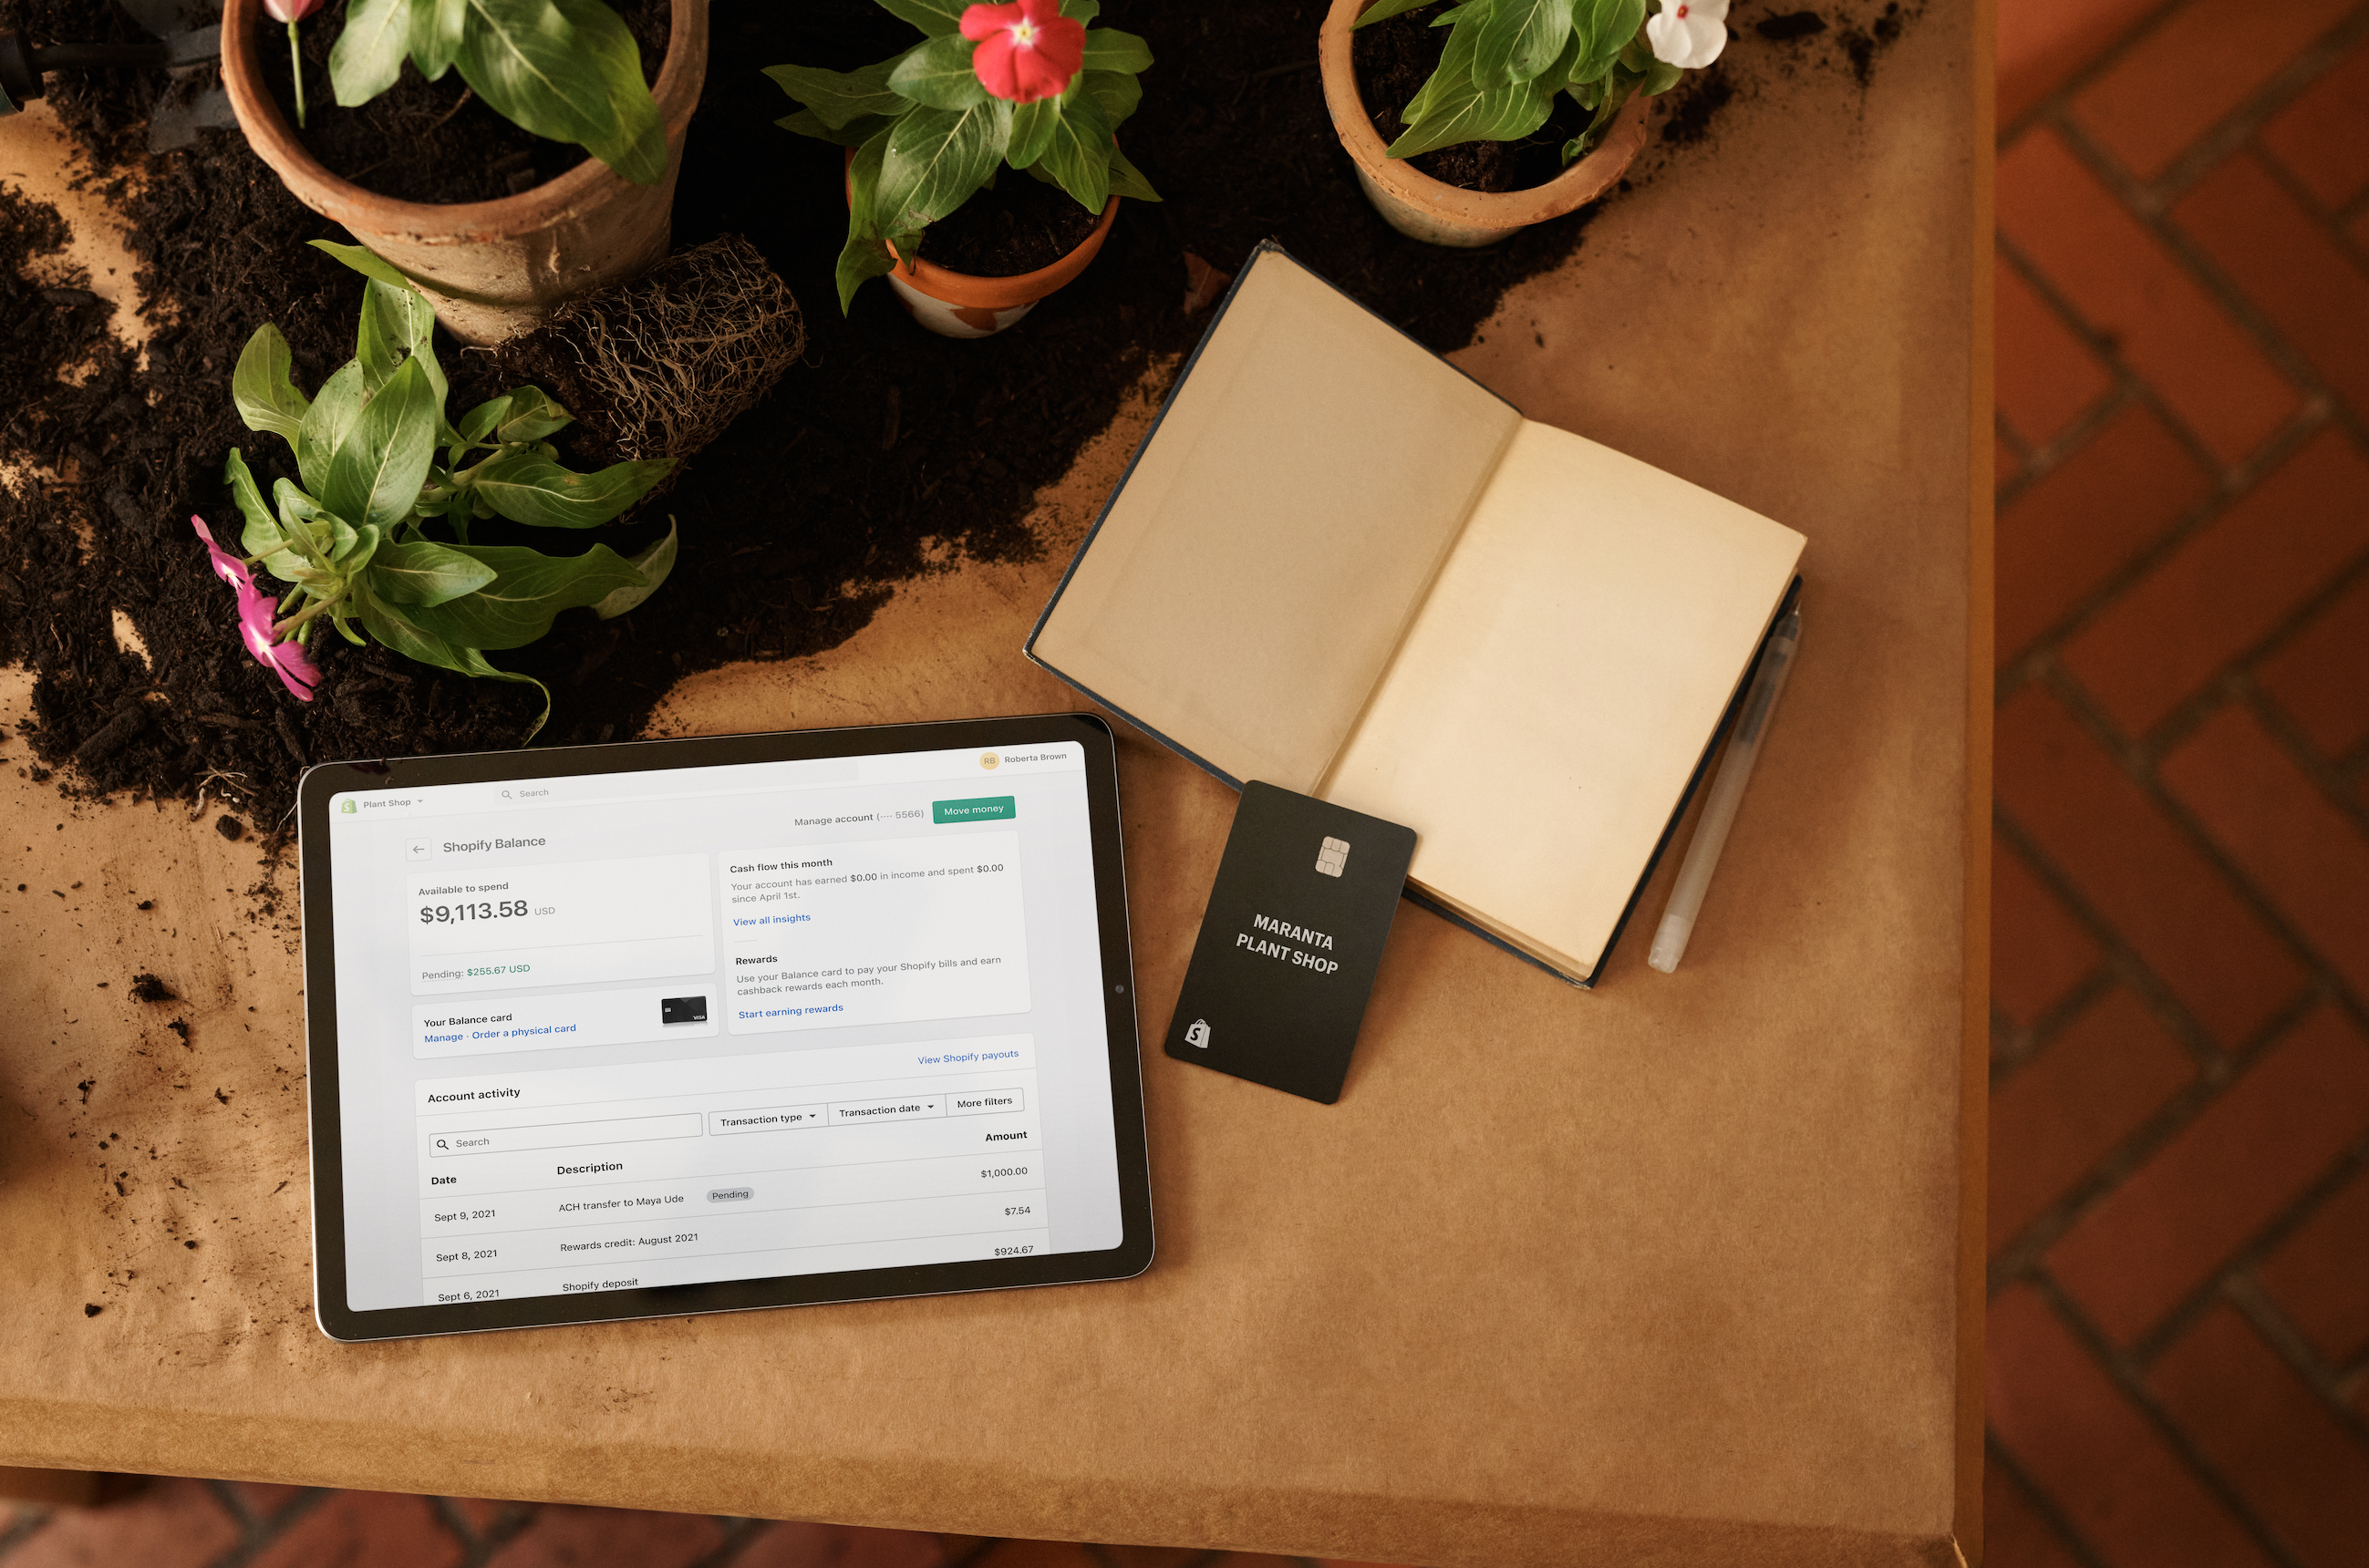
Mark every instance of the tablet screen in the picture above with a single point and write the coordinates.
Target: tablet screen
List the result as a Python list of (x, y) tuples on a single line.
[(630, 1029)]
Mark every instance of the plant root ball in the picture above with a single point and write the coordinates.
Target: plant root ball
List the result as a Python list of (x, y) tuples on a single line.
[(659, 366)]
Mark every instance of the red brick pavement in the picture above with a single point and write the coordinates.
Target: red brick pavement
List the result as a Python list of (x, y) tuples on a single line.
[(2178, 1367), (199, 1524)]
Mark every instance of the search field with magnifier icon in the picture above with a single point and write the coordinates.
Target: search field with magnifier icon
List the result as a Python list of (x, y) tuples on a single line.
[(563, 1135)]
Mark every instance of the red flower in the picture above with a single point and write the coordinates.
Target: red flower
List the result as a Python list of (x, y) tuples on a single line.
[(1027, 50)]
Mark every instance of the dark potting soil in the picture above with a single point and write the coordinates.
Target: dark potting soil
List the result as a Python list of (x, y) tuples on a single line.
[(124, 460), (109, 110), (422, 141), (1791, 26), (886, 453), (1394, 58), (1022, 225), (50, 323)]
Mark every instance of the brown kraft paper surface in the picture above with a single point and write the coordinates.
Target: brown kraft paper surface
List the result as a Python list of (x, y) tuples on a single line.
[(1666, 1273)]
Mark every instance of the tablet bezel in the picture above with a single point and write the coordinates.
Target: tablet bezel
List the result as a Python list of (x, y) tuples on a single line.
[(320, 783)]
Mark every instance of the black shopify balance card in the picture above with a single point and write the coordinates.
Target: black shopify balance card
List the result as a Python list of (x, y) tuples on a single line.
[(1291, 941)]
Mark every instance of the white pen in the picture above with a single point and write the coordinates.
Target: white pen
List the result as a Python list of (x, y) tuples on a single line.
[(1726, 792)]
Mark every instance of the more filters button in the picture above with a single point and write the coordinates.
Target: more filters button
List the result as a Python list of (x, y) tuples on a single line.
[(984, 1102)]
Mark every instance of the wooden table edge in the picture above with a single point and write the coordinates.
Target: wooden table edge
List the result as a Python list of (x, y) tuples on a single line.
[(1973, 1090)]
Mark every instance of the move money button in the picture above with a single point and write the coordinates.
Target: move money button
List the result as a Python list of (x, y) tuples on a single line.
[(988, 808)]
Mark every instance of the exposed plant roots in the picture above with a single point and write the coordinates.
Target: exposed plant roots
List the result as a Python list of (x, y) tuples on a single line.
[(661, 365)]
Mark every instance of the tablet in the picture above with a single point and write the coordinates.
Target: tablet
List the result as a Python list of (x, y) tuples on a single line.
[(702, 1026)]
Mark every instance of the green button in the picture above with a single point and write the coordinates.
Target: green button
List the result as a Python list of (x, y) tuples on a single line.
[(990, 808)]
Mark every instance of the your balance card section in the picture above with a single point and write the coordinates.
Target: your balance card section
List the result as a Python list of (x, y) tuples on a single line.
[(860, 1157)]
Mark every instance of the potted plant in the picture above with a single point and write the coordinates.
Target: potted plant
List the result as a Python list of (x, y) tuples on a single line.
[(352, 536), (566, 71), (1502, 68), (1027, 86)]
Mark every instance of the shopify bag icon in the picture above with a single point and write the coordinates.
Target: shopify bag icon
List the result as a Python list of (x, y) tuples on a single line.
[(1198, 1035)]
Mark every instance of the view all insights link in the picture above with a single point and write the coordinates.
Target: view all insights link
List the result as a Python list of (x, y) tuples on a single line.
[(724, 1023)]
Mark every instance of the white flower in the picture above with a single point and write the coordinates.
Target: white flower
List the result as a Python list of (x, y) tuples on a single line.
[(1688, 34)]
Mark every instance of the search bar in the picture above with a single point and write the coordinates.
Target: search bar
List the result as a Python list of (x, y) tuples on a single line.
[(561, 1134), (630, 789)]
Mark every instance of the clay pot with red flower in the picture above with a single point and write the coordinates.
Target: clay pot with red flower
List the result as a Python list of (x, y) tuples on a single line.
[(1026, 89)]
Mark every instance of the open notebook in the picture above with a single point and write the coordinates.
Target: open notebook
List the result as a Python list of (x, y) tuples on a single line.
[(1339, 565)]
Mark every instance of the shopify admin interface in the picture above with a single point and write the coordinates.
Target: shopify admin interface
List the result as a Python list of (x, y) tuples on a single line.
[(715, 1024)]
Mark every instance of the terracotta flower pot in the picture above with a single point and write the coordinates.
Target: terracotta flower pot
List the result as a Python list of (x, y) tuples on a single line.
[(491, 268), (1431, 210), (957, 304)]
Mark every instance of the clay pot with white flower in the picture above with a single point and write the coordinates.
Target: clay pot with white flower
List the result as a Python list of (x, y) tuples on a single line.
[(1469, 122), (597, 143), (1027, 88)]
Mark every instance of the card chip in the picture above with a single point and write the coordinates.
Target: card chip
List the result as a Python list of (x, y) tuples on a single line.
[(1332, 856)]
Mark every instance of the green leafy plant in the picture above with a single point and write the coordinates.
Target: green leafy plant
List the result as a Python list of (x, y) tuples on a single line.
[(1505, 60), (567, 70), (1026, 86), (381, 468)]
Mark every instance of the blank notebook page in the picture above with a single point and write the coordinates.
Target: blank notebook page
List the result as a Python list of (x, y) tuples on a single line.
[(1246, 588), (1559, 684)]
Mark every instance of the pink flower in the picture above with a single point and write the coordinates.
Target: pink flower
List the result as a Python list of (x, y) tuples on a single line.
[(227, 566), (291, 11), (288, 660), (256, 614), (1027, 50)]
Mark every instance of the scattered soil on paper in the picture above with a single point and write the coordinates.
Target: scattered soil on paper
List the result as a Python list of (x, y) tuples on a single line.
[(885, 453), (52, 326), (1862, 42), (1791, 26), (422, 141), (109, 110)]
